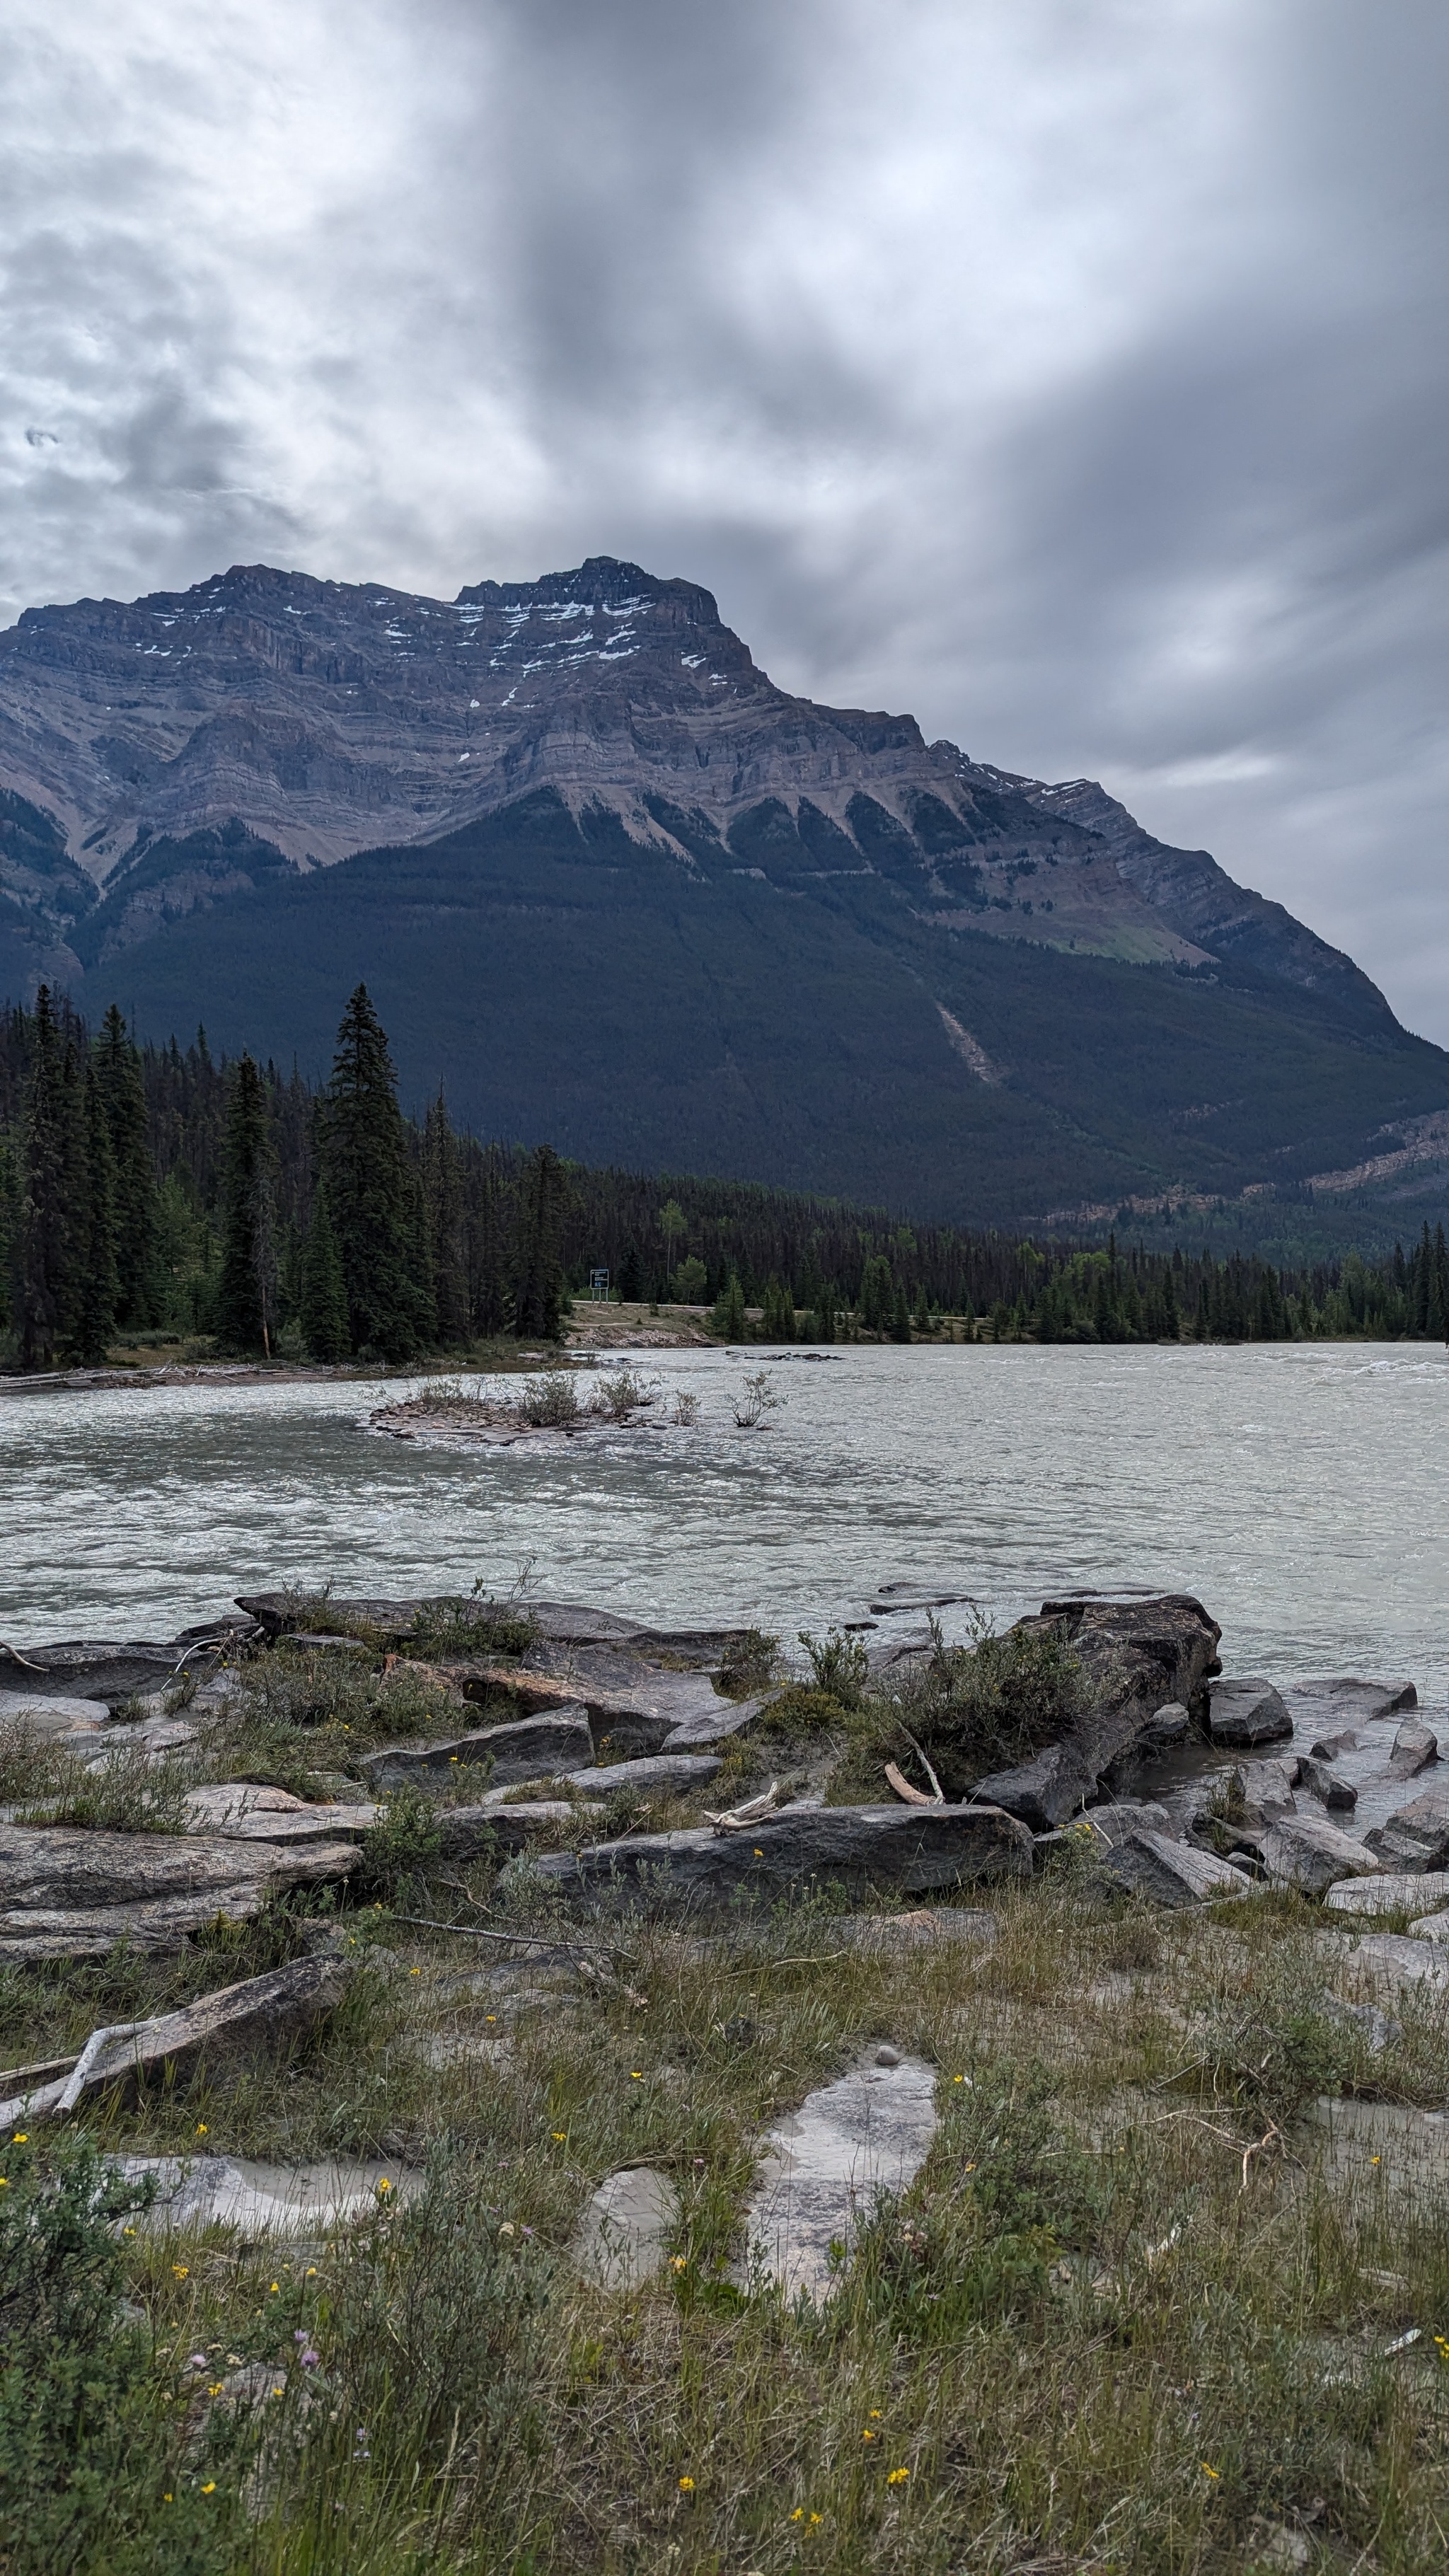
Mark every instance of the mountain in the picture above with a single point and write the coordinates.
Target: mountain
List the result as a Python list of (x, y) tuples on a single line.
[(612, 884)]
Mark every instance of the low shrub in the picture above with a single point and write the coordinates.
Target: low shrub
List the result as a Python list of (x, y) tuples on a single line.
[(616, 1398), (840, 1664), (102, 2468), (971, 1709), (550, 1403), (398, 1848), (125, 1792)]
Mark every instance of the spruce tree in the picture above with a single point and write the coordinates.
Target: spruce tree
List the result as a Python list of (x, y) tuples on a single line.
[(324, 1296), (370, 1197), (539, 1293), (245, 1309), (47, 1249), (96, 1286), (900, 1323), (122, 1086), (443, 1189), (489, 1298), (729, 1319)]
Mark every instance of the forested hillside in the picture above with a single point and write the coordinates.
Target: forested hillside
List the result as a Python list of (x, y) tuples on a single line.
[(160, 1193)]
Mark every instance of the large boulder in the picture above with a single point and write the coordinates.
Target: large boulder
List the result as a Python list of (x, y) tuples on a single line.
[(1044, 1792), (1308, 1853), (529, 1748), (864, 1850), (1315, 1776), (1417, 1836), (1140, 1660), (1247, 1713), (1414, 1747)]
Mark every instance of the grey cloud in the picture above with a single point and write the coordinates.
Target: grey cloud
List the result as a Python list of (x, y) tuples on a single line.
[(1069, 371)]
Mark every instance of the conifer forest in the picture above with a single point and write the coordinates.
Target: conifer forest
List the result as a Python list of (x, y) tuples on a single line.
[(153, 1195)]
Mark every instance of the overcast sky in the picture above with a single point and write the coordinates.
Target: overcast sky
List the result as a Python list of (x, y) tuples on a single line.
[(1069, 372)]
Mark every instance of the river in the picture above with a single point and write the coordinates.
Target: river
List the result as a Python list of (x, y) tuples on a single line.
[(1297, 1489)]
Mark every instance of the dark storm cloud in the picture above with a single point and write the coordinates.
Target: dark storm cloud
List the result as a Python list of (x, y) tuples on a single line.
[(1069, 371)]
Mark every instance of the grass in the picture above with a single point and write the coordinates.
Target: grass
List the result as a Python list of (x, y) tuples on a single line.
[(1125, 2319), (1085, 2341)]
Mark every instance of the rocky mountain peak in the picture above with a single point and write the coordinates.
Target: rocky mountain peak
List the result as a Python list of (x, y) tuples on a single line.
[(175, 750)]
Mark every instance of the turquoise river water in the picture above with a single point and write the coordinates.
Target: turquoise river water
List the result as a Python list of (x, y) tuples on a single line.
[(1298, 1490)]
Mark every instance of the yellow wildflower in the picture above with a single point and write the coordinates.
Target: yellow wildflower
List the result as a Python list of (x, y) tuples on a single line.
[(181, 2270), (686, 2486), (897, 2477)]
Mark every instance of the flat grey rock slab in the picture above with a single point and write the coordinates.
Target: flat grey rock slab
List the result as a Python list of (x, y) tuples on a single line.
[(1172, 1873), (1390, 1893), (311, 1825), (1247, 1713), (263, 2199), (680, 1771), (521, 1749), (223, 1801), (280, 1614), (825, 2168), (1415, 1837), (151, 1735), (50, 1714), (68, 1893), (112, 1669), (623, 2235), (865, 1850)]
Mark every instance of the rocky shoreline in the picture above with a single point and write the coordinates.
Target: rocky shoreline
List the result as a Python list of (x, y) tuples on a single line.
[(1187, 1785)]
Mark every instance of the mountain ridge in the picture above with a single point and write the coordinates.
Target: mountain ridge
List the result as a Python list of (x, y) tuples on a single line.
[(614, 885), (328, 718)]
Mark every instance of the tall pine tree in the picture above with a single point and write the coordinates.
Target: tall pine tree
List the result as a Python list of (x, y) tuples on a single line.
[(324, 1297), (48, 1249), (370, 1195), (245, 1310), (442, 1184), (538, 1296), (96, 1285), (123, 1095)]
